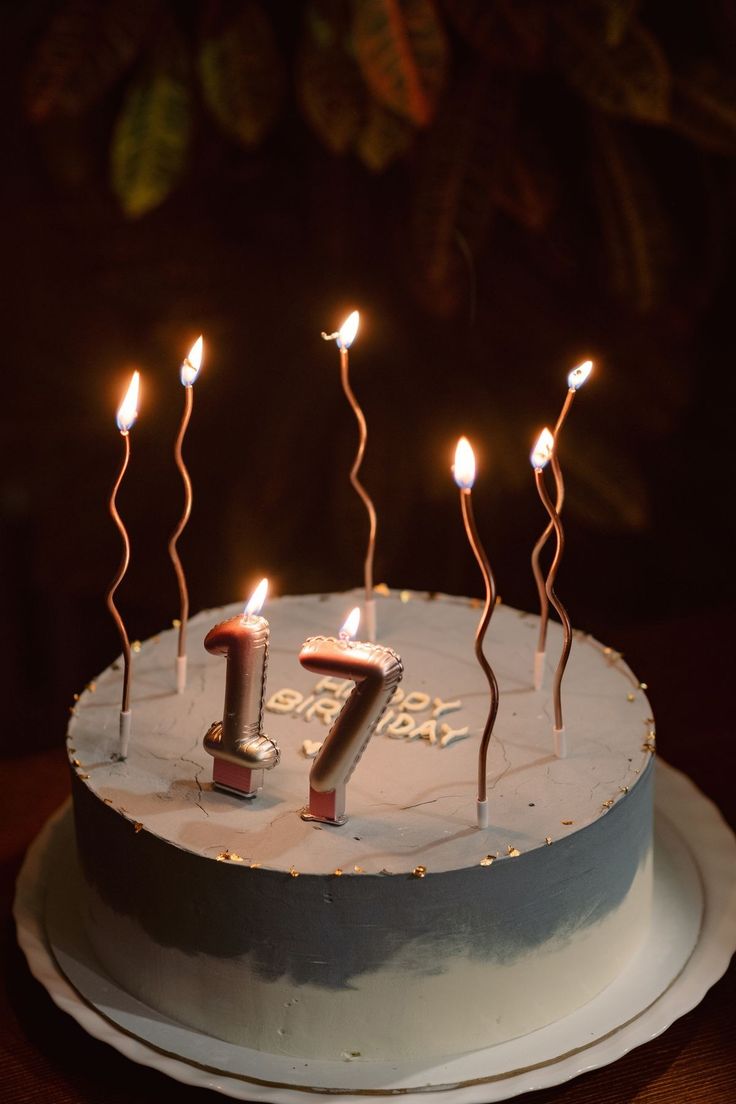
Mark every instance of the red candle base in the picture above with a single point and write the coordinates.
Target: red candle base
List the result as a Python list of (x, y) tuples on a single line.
[(240, 781), (328, 808)]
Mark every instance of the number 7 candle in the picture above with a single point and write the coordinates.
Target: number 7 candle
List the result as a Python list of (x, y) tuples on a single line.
[(376, 672)]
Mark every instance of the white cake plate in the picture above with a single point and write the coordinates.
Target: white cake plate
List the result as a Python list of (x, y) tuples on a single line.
[(692, 937)]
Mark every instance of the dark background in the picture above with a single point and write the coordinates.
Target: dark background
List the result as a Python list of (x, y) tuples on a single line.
[(567, 190)]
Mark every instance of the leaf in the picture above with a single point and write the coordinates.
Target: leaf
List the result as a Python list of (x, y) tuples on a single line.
[(627, 77), (384, 139), (402, 52), (637, 236), (84, 51), (242, 75), (329, 89), (524, 190), (454, 199), (509, 34), (151, 139), (704, 107)]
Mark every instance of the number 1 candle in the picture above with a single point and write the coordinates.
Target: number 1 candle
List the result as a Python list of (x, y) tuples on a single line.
[(376, 672), (240, 750), (126, 416)]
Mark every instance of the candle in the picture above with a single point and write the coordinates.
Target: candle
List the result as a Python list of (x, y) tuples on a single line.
[(126, 416), (575, 381), (240, 750), (376, 672), (188, 374), (464, 473), (344, 338), (541, 454)]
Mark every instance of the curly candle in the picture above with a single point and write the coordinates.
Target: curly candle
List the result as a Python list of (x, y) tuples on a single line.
[(126, 416)]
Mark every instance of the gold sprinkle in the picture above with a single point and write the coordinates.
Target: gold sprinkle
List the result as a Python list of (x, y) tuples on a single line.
[(643, 686), (337, 872), (651, 734), (649, 745), (223, 856), (419, 871), (607, 804), (567, 822), (488, 860), (75, 697), (475, 603), (107, 800), (135, 646), (548, 840), (513, 852), (405, 596), (91, 686), (234, 857), (176, 623), (84, 777), (499, 600), (256, 866), (623, 789), (382, 588), (359, 870), (76, 763), (137, 827), (631, 697), (649, 720), (294, 873), (607, 651)]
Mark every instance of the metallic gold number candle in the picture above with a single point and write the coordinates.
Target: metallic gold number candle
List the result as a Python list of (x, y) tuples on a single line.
[(376, 672), (241, 752)]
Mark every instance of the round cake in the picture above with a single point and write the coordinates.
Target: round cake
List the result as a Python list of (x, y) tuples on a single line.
[(408, 932)]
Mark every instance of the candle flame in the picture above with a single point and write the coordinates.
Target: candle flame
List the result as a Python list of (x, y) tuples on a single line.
[(254, 604), (464, 467), (348, 330), (192, 363), (128, 409), (542, 451), (352, 621), (579, 375)]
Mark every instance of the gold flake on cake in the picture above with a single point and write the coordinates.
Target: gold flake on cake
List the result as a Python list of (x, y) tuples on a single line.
[(75, 697), (513, 852), (135, 646), (256, 865), (176, 623), (649, 745), (358, 870), (76, 763), (567, 822), (419, 871), (294, 873), (623, 789), (488, 860), (548, 840), (382, 588), (91, 687), (107, 800), (138, 826), (631, 697), (607, 804), (405, 596), (643, 686), (84, 777), (337, 872), (229, 856)]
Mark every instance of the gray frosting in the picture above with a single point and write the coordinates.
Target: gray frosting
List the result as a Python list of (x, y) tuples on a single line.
[(326, 930)]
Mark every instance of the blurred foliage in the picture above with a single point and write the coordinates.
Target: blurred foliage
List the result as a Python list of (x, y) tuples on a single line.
[(453, 90)]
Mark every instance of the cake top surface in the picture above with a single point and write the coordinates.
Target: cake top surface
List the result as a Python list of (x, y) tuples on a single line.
[(411, 799)]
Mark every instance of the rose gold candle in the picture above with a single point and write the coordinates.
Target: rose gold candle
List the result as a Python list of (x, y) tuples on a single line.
[(376, 672), (240, 750)]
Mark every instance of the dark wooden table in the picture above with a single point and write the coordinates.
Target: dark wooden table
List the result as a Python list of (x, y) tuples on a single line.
[(45, 1056)]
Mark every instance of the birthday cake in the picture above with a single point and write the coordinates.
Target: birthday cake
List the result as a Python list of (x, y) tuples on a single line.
[(407, 932)]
